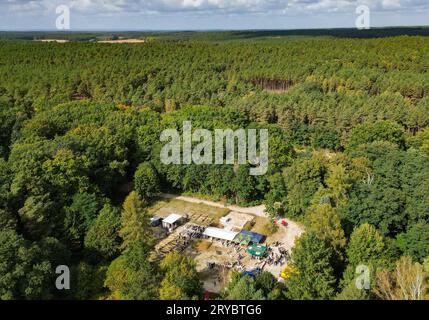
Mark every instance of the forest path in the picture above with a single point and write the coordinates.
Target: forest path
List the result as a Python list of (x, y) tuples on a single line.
[(257, 211)]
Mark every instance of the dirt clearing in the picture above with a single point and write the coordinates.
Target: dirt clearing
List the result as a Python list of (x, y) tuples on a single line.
[(123, 41), (216, 258)]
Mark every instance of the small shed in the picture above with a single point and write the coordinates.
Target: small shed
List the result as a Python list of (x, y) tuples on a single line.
[(155, 221), (254, 237), (172, 221)]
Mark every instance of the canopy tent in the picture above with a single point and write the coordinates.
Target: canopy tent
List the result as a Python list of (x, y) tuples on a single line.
[(219, 234), (255, 237), (256, 250), (243, 238)]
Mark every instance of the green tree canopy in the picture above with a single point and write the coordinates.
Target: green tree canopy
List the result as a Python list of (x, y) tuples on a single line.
[(245, 289), (102, 240), (181, 280), (313, 276), (378, 131), (146, 181), (415, 242), (134, 221)]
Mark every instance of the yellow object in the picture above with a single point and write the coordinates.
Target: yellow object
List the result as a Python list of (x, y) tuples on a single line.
[(287, 272)]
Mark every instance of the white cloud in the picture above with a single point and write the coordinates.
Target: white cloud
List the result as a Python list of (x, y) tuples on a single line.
[(244, 7), (391, 4)]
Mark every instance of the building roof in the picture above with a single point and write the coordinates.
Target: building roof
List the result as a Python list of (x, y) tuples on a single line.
[(155, 221), (243, 238), (255, 237), (220, 233), (172, 218)]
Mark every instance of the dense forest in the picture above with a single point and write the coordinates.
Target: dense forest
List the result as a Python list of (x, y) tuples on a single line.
[(348, 122)]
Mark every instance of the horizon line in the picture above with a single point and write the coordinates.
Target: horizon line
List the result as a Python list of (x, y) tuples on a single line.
[(209, 30)]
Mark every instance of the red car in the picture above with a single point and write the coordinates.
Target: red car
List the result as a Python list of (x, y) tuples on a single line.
[(284, 223)]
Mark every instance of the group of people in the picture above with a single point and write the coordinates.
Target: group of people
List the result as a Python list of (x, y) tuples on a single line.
[(230, 244), (236, 265), (189, 233), (276, 255), (193, 231)]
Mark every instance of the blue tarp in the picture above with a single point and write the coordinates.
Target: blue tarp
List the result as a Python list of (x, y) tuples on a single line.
[(256, 237), (252, 273)]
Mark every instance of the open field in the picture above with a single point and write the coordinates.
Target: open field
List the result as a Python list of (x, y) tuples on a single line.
[(165, 207), (257, 210), (237, 221), (53, 40), (123, 41)]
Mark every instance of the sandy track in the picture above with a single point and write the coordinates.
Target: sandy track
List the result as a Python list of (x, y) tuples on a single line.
[(257, 211), (123, 41)]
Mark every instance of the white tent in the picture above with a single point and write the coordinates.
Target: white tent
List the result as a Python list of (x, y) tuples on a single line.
[(172, 222), (172, 218), (220, 233)]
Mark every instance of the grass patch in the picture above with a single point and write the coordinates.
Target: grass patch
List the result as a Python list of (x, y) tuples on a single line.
[(165, 207), (264, 226), (203, 245), (218, 215), (249, 225)]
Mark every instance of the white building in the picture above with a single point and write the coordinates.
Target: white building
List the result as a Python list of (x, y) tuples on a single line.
[(172, 221)]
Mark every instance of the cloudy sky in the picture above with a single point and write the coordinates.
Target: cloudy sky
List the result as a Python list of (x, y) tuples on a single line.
[(208, 14)]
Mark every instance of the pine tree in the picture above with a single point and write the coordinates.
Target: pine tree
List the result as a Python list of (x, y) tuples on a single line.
[(367, 247), (134, 221), (325, 223), (313, 276)]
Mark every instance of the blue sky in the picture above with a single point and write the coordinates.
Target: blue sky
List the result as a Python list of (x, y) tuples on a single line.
[(209, 14)]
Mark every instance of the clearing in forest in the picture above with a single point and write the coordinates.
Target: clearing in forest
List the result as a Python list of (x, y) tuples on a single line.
[(215, 258), (123, 41)]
